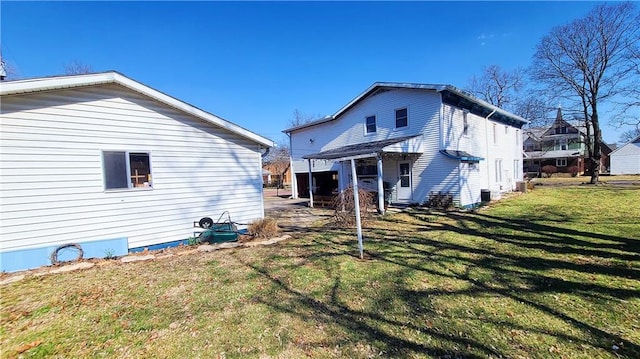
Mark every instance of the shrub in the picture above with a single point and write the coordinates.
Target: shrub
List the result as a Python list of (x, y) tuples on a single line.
[(345, 208), (549, 170), (530, 185), (573, 170), (264, 228)]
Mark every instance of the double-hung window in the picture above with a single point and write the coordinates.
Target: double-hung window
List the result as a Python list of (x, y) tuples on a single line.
[(370, 124), (401, 118), (465, 124), (124, 170)]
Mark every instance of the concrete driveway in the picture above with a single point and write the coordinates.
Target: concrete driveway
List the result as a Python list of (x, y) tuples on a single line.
[(280, 200)]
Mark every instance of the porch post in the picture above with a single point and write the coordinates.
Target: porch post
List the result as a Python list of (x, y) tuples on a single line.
[(356, 201), (343, 180), (380, 186), (310, 184)]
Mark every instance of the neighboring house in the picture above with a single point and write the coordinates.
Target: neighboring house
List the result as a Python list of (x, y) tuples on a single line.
[(561, 145), (271, 175), (413, 140), (626, 159), (106, 162)]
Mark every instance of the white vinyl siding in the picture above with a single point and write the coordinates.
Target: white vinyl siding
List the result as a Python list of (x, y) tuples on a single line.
[(442, 126), (626, 159), (52, 183)]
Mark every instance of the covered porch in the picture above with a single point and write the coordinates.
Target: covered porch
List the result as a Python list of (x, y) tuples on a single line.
[(382, 167)]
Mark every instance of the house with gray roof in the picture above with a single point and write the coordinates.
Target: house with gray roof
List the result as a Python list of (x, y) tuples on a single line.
[(408, 143)]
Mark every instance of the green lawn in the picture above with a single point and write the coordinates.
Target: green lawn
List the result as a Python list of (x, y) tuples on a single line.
[(554, 273)]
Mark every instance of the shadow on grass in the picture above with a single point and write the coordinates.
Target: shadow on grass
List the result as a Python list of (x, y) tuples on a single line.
[(520, 274)]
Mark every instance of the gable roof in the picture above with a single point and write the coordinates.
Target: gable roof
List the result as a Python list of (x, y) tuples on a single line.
[(19, 87), (634, 140), (450, 94)]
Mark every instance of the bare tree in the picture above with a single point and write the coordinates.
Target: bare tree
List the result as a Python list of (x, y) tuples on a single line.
[(7, 70), (629, 135), (278, 160), (534, 109), (300, 118), (585, 62), (77, 68), (497, 86), (628, 104)]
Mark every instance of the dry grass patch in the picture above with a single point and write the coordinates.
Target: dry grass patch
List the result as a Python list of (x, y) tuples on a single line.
[(264, 228)]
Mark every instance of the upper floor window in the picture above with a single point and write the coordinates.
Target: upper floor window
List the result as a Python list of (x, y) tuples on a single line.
[(506, 130), (495, 133), (370, 125), (465, 124), (561, 130), (123, 170), (401, 118)]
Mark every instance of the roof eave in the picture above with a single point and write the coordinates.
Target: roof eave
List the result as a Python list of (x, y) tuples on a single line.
[(63, 82)]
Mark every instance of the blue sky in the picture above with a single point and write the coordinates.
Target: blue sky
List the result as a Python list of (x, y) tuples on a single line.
[(254, 63)]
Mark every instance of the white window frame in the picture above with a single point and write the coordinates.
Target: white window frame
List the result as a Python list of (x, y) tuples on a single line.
[(499, 170), (406, 109), (366, 125), (148, 184), (465, 124), (495, 134), (561, 162)]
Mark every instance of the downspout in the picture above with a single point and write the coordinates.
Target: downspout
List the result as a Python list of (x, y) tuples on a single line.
[(441, 126), (486, 137), (262, 157)]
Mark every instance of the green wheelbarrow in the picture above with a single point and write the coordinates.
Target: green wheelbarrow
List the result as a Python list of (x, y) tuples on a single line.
[(224, 230)]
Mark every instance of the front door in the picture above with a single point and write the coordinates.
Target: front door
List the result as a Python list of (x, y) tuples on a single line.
[(403, 188)]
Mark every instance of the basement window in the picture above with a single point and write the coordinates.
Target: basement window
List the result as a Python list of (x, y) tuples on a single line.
[(126, 170)]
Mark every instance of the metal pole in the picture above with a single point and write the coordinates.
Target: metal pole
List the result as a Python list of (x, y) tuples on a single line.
[(310, 185), (356, 201), (380, 186)]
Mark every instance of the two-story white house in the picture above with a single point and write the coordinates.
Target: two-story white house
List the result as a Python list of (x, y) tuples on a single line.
[(413, 141)]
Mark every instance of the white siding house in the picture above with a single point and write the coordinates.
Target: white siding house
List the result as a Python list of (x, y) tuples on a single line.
[(106, 162), (426, 139), (626, 159)]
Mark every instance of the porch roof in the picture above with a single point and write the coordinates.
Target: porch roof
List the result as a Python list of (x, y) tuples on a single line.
[(552, 154), (407, 144), (461, 155)]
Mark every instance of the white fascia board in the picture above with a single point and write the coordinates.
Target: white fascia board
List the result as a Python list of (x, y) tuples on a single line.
[(472, 98), (54, 83), (62, 82)]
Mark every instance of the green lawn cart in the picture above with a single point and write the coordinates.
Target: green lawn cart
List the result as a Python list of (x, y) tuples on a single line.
[(224, 230)]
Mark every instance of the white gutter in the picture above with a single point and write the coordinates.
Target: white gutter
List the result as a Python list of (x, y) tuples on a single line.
[(63, 82)]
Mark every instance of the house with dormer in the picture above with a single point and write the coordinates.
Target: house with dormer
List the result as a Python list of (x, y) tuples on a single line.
[(562, 145), (408, 142)]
